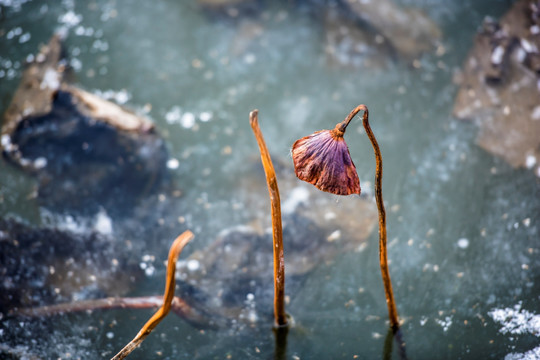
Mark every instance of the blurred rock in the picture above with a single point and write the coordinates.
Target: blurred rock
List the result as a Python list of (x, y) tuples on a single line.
[(499, 86), (409, 31), (353, 216), (229, 8), (357, 31), (86, 152), (40, 265), (233, 276), (16, 352), (248, 32), (348, 44)]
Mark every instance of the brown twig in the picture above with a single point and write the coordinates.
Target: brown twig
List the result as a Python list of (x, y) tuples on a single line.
[(178, 306), (277, 232), (383, 257), (175, 250)]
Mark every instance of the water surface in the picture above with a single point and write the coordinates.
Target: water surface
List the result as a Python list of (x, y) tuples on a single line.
[(462, 224)]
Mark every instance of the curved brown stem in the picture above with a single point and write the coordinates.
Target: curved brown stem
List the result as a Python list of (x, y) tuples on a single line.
[(178, 306), (175, 250), (383, 257), (277, 232)]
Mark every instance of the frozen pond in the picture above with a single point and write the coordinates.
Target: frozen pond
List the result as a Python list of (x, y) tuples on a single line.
[(463, 226)]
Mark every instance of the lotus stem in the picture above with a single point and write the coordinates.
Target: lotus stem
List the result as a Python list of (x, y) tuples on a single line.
[(178, 306), (383, 256), (277, 233), (174, 252)]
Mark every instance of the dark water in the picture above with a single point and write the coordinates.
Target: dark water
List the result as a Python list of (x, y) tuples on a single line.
[(462, 224)]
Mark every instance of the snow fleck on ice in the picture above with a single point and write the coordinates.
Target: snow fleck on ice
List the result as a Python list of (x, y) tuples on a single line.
[(463, 243), (446, 323), (5, 141), (51, 80), (516, 320), (173, 163), (533, 354), (40, 162), (298, 196), (530, 161), (24, 38), (334, 236), (187, 120), (14, 32), (193, 265), (173, 115), (120, 97), (205, 116), (103, 223), (70, 19)]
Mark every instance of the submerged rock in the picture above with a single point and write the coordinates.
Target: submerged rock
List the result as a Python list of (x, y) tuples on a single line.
[(409, 31), (229, 281), (500, 86), (86, 152), (366, 33), (248, 32), (229, 8), (233, 276), (16, 352), (40, 265), (347, 44)]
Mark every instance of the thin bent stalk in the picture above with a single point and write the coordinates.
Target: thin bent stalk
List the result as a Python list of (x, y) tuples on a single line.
[(174, 252), (277, 232), (383, 257), (178, 306)]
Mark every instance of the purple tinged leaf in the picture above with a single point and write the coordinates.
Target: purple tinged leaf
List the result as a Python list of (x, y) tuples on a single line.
[(323, 159)]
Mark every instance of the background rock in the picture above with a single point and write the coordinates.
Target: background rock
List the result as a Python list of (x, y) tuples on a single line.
[(86, 152), (499, 88), (40, 265)]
